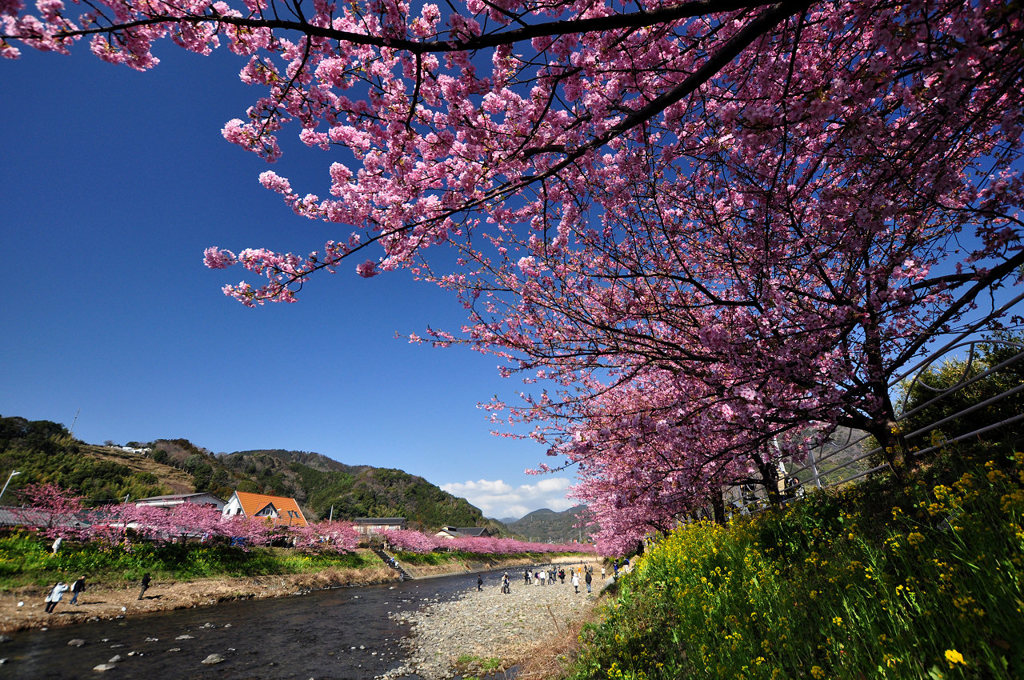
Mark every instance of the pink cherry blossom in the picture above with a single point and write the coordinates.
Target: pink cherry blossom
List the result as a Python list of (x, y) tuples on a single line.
[(699, 231)]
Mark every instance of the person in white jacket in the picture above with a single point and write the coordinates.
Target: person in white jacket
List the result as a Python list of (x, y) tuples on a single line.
[(56, 593), (576, 581)]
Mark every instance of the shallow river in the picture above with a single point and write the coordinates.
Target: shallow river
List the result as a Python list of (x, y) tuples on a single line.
[(345, 633)]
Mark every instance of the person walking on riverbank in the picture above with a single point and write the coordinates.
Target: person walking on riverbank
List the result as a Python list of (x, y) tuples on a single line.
[(56, 593), (588, 578), (144, 583), (576, 581), (479, 583), (77, 588), (526, 577)]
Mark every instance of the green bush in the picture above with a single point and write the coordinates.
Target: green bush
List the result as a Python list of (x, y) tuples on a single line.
[(25, 559)]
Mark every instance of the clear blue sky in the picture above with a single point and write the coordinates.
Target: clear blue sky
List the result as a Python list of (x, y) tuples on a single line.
[(113, 183)]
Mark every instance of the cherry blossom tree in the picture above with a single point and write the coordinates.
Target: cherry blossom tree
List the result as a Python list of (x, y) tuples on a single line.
[(410, 541), (57, 512), (253, 531), (706, 226), (415, 541), (326, 536)]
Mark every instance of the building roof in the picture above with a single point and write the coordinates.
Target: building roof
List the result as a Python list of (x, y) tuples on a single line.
[(469, 532), (177, 497), (379, 520), (12, 516), (254, 503), (472, 531)]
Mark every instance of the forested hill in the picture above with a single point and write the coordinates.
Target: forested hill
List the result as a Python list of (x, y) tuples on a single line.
[(44, 451), (319, 482)]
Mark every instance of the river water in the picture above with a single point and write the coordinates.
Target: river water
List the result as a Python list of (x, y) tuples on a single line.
[(345, 633)]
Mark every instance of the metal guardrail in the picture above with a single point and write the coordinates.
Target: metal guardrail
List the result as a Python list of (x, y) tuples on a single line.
[(844, 463), (817, 464)]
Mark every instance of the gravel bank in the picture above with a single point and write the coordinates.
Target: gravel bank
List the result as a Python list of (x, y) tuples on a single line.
[(490, 625)]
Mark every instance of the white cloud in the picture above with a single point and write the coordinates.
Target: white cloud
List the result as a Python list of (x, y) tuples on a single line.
[(498, 499)]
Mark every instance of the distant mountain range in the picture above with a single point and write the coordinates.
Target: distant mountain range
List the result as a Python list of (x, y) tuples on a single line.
[(548, 526)]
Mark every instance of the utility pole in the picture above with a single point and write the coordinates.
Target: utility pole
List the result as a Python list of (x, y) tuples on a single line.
[(13, 473), (331, 518)]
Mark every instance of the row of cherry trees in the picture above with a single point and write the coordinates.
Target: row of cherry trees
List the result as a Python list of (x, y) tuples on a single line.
[(415, 541), (57, 513), (702, 229)]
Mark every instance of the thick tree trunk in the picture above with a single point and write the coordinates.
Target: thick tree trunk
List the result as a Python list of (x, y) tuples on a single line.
[(718, 505), (770, 478), (887, 431)]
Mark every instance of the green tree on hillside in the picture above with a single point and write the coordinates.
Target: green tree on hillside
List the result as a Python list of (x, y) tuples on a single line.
[(45, 452), (935, 403)]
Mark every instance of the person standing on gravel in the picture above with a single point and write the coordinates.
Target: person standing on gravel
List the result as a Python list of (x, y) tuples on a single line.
[(588, 578), (144, 583), (576, 581), (56, 593), (77, 588)]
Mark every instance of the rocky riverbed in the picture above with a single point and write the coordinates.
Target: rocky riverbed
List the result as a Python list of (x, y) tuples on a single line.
[(489, 631)]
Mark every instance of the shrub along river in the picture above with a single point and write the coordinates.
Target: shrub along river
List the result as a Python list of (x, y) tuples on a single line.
[(345, 633)]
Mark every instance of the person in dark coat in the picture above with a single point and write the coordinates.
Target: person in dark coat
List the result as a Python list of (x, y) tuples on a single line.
[(145, 584), (76, 588)]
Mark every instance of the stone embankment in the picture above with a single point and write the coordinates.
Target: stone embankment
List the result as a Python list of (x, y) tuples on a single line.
[(489, 631)]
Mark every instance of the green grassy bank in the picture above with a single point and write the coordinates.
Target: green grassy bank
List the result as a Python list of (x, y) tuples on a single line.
[(883, 581), (26, 560)]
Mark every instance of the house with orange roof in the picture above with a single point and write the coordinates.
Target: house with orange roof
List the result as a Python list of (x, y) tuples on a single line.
[(281, 510)]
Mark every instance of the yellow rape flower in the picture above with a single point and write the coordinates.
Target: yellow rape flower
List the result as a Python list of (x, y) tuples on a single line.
[(954, 657), (817, 673)]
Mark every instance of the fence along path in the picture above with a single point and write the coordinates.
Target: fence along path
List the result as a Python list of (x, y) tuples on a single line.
[(839, 464)]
